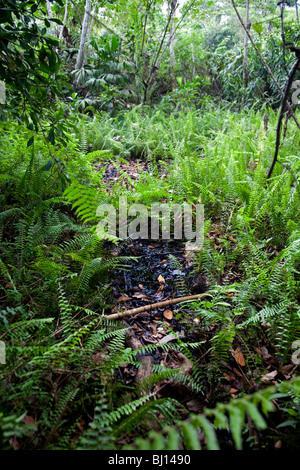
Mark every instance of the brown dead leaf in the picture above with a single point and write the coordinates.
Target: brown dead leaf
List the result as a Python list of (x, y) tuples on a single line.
[(168, 314), (14, 443), (270, 376), (168, 338), (194, 406), (97, 357), (286, 370), (239, 357), (140, 295), (158, 295), (263, 352), (227, 377), (124, 298), (141, 286), (237, 372), (28, 420), (153, 328), (180, 361), (149, 339), (161, 279), (278, 444)]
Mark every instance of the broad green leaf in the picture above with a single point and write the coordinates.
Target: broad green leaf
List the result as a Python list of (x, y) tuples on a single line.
[(257, 27), (57, 20), (47, 166), (51, 136), (114, 43), (30, 141)]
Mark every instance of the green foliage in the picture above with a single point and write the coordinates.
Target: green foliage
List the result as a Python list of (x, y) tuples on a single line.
[(106, 75), (230, 416), (13, 426), (65, 361), (30, 68)]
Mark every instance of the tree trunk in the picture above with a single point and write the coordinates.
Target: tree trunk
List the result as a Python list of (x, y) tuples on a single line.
[(85, 24), (193, 62), (162, 50), (64, 20), (245, 61), (290, 108), (90, 28), (173, 5), (50, 15)]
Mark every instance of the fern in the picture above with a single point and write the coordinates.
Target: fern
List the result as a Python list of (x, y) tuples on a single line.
[(98, 436), (230, 417)]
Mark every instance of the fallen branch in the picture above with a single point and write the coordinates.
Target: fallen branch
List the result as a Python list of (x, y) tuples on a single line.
[(164, 303)]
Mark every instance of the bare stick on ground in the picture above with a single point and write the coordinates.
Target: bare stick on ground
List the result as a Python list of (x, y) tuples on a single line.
[(165, 303)]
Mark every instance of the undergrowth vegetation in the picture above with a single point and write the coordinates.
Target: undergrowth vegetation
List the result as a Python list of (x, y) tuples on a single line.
[(61, 385)]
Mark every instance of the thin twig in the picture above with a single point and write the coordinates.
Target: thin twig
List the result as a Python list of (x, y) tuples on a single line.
[(165, 303)]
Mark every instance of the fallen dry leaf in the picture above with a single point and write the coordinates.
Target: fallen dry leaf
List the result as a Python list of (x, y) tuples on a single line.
[(278, 444), (158, 294), (286, 370), (151, 339), (140, 295), (97, 357), (237, 372), (168, 314), (123, 298), (154, 329), (194, 406), (161, 279), (28, 420), (171, 337), (227, 377), (239, 357), (270, 376), (14, 443), (160, 288), (263, 352), (180, 361)]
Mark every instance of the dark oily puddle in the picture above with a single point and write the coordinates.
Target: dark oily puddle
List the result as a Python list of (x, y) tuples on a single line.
[(163, 270)]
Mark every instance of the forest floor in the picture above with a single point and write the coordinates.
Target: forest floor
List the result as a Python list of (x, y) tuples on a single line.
[(161, 270), (85, 369)]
